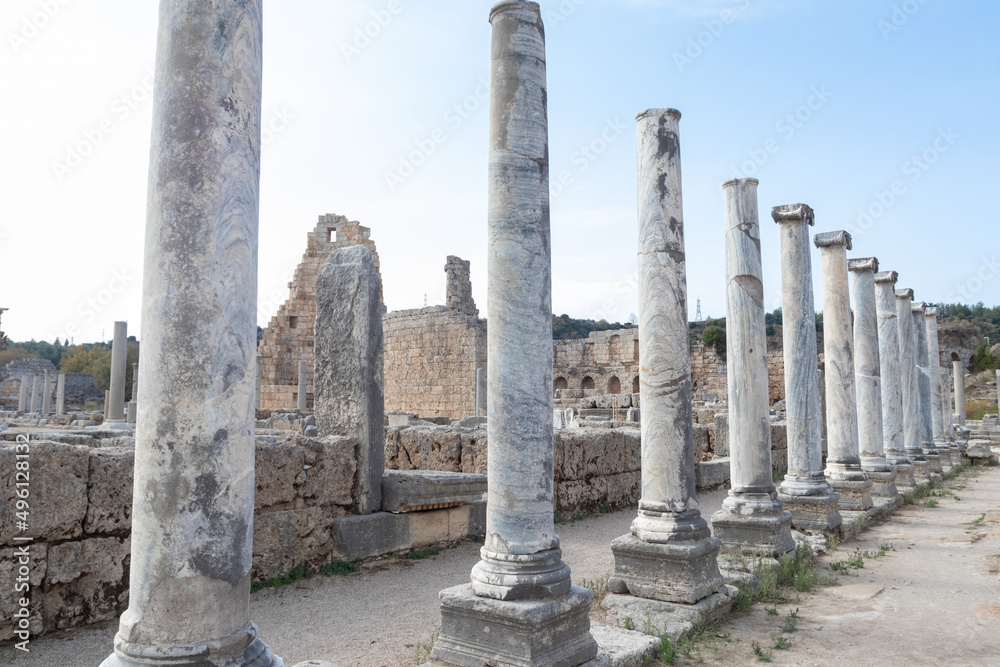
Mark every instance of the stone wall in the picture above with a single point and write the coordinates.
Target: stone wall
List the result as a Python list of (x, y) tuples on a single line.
[(431, 354), (288, 338), (11, 374)]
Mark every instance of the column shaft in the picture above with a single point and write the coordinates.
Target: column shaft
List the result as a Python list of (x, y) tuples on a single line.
[(937, 388), (925, 384), (119, 358), (47, 395), (36, 393), (891, 374), (303, 377), (958, 373), (22, 400)]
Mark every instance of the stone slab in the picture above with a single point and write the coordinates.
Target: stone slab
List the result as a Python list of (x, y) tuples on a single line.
[(621, 647), (676, 620), (712, 474), (412, 490)]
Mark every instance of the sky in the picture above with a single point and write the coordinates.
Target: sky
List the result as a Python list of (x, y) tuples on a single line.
[(880, 114)]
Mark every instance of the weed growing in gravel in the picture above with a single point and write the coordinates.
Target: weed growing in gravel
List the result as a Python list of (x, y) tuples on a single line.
[(341, 568), (293, 575), (930, 502), (853, 562), (763, 655), (605, 509), (781, 644), (421, 555), (791, 623), (422, 653), (628, 623), (599, 586), (771, 611), (744, 598)]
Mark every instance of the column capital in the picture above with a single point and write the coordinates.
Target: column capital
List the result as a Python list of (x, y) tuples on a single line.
[(793, 213), (733, 182), (656, 113), (886, 277), (906, 293), (863, 264), (513, 6), (932, 311), (833, 239), (918, 307)]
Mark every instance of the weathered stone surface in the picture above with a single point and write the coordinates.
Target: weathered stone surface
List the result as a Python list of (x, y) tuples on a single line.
[(348, 366), (721, 435), (670, 618), (109, 491), (58, 491), (86, 581), (683, 571), (280, 469), (406, 491), (330, 473), (621, 647), (10, 564), (284, 540), (116, 405)]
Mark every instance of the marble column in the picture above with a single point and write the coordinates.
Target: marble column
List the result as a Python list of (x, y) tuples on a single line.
[(303, 384), (998, 387), (843, 461), (119, 359), (938, 392), (193, 499), (36, 393), (135, 382), (668, 561), (61, 395), (891, 374), (481, 392), (521, 588), (47, 394), (22, 401), (925, 388), (752, 520), (868, 383), (107, 402), (804, 491), (256, 391), (910, 387), (949, 417), (958, 375)]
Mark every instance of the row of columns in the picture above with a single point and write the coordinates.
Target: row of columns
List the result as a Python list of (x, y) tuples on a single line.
[(41, 394)]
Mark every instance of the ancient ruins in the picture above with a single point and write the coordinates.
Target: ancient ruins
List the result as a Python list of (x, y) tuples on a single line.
[(349, 433)]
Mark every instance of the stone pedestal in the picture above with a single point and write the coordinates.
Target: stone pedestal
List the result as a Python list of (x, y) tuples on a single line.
[(22, 400), (891, 375), (348, 367), (192, 509), (36, 393), (119, 357), (752, 520), (925, 388), (868, 383), (843, 462), (303, 386), (61, 395), (47, 395), (521, 608), (910, 387), (670, 555)]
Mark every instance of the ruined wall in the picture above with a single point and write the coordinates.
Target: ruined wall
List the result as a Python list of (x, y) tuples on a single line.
[(606, 362), (289, 337), (431, 354), (11, 374)]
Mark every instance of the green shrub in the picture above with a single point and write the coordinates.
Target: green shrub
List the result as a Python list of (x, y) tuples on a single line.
[(715, 338)]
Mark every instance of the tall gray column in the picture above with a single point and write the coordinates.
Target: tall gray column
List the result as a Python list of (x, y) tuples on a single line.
[(135, 382), (752, 519), (958, 376), (481, 392), (868, 382), (891, 373), (670, 557), (119, 359), (804, 491), (937, 388), (36, 393), (910, 386), (925, 387), (107, 402), (303, 377), (47, 394), (192, 511), (998, 387), (949, 416), (22, 400), (520, 588), (843, 461), (61, 395), (256, 391)]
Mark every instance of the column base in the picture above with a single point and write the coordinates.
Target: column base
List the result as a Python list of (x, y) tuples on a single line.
[(934, 460), (853, 485), (256, 655), (750, 526), (117, 425), (674, 572), (944, 451), (883, 485), (510, 577), (813, 514), (658, 618), (904, 475), (922, 472), (476, 631)]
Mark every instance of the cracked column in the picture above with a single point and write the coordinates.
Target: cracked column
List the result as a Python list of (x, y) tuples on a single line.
[(937, 389), (36, 393), (193, 499), (47, 394), (61, 395), (22, 400), (752, 520), (910, 387), (958, 375), (804, 492), (843, 461), (303, 376), (891, 375), (668, 562), (119, 358), (925, 388), (868, 383), (521, 608)]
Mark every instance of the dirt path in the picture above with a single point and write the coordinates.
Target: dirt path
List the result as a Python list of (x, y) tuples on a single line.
[(934, 601)]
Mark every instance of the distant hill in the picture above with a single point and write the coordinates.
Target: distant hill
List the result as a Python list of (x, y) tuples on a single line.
[(565, 327)]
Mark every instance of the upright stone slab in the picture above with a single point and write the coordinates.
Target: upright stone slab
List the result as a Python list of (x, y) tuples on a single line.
[(303, 385), (119, 358), (868, 383), (752, 520), (668, 561), (36, 393), (192, 507), (348, 385), (481, 392), (925, 388), (958, 376), (804, 491), (22, 399), (47, 394), (911, 387), (521, 608), (843, 461), (891, 373)]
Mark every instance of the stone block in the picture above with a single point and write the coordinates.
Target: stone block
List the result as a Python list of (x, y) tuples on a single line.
[(86, 581), (329, 470), (279, 470), (779, 436), (722, 435), (670, 618), (286, 539), (701, 446), (619, 647), (683, 571), (109, 491), (58, 491), (712, 474), (407, 491), (10, 564), (367, 535)]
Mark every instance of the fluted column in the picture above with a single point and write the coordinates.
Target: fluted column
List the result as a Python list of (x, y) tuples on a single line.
[(520, 588), (868, 382), (958, 375), (36, 393), (804, 492), (891, 373), (843, 461), (925, 387), (752, 519), (119, 360), (910, 386), (192, 513), (22, 400)]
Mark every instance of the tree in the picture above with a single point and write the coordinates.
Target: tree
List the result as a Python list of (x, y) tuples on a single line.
[(715, 337), (92, 359)]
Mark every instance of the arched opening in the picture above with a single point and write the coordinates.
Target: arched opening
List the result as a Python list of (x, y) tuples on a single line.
[(955, 357), (635, 385), (561, 383), (588, 383), (614, 385)]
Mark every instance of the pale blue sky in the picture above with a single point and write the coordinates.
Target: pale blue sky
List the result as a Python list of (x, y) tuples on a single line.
[(884, 85)]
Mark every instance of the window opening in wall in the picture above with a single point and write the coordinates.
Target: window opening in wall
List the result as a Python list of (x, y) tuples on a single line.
[(614, 385), (331, 234), (588, 382), (293, 321)]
